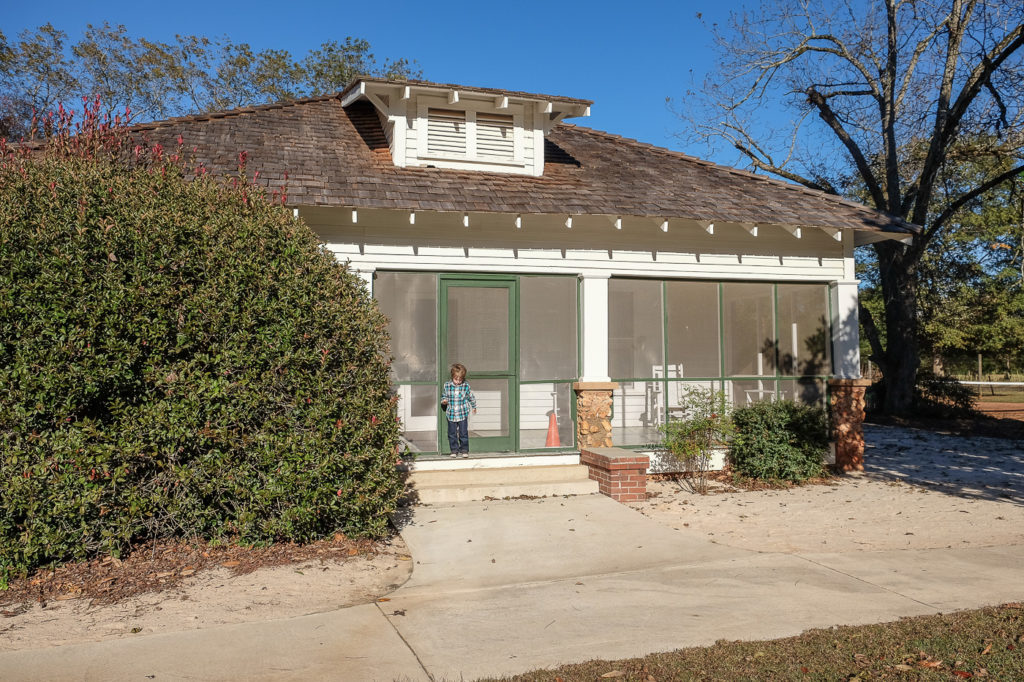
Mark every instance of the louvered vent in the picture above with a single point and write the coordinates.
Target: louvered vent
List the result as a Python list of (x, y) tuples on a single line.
[(446, 132), (494, 137)]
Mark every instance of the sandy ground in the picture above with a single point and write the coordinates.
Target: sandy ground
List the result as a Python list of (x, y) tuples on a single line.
[(919, 490), (215, 597)]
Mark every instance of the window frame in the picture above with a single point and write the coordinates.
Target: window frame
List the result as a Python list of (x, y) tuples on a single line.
[(720, 381), (438, 276)]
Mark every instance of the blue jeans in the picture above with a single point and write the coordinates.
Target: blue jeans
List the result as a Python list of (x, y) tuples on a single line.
[(458, 436)]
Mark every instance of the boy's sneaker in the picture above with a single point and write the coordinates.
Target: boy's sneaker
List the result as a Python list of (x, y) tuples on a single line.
[(463, 455), (454, 454)]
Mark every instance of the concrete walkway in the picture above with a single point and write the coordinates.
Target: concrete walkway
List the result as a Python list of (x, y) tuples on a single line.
[(509, 586)]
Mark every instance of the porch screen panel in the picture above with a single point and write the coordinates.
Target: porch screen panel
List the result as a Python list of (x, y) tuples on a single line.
[(478, 329), (635, 329), (547, 328), (410, 303), (638, 409), (417, 409), (491, 419), (748, 392), (806, 390), (804, 332), (691, 314), (542, 405), (749, 329), (679, 393)]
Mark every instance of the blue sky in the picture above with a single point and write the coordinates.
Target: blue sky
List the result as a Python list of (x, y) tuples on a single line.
[(626, 56)]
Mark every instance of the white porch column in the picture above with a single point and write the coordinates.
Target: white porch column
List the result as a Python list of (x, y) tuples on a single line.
[(845, 329), (366, 273), (595, 327)]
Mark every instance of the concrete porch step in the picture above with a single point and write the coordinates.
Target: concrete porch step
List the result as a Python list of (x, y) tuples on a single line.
[(463, 485)]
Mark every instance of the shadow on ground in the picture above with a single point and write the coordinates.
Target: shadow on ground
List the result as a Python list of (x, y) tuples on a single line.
[(972, 468)]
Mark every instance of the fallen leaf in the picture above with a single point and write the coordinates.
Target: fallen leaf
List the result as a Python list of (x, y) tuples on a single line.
[(930, 664), (136, 630), (230, 564), (987, 650), (384, 599), (903, 666), (405, 558), (398, 612), (963, 674), (112, 257), (352, 551), (614, 673), (804, 669)]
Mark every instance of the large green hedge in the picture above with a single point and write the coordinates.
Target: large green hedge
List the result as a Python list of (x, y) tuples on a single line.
[(178, 358), (779, 440)]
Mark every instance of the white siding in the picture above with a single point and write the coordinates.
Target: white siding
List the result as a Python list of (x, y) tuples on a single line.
[(535, 404)]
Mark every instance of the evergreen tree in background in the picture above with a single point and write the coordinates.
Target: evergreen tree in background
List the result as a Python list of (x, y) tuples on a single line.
[(41, 69)]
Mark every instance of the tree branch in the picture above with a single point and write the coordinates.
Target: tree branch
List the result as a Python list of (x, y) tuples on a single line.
[(832, 121), (781, 172), (948, 118), (962, 200)]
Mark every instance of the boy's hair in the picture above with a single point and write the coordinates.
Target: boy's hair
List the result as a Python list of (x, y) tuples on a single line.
[(459, 370)]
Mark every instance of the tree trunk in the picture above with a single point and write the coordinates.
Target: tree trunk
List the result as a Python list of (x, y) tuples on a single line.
[(899, 291)]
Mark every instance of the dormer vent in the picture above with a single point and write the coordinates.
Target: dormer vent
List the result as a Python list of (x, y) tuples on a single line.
[(495, 138), (456, 127), (446, 132)]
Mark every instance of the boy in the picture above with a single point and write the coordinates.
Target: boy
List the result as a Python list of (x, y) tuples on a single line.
[(456, 400)]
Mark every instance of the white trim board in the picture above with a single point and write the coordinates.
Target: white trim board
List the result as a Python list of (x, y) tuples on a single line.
[(499, 462)]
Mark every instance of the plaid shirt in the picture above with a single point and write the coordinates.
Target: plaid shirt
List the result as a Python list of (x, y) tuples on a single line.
[(460, 399)]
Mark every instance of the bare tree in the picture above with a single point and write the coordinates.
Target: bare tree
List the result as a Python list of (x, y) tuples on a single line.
[(884, 96)]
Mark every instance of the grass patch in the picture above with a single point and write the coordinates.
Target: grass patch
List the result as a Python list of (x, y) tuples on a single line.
[(1005, 395), (982, 644)]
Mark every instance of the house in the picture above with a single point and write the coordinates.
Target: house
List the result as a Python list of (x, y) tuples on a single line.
[(585, 279)]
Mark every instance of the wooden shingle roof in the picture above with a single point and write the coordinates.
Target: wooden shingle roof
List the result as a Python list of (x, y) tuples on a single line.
[(336, 156)]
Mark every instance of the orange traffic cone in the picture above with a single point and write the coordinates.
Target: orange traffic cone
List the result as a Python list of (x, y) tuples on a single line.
[(553, 440)]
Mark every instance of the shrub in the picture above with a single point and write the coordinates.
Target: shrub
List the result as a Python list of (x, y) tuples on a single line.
[(704, 425), (943, 397), (779, 440), (178, 358)]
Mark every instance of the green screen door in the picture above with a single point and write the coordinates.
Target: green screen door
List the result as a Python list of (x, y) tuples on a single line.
[(478, 329)]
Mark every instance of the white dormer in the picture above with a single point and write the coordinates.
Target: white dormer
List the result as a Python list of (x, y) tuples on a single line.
[(451, 126)]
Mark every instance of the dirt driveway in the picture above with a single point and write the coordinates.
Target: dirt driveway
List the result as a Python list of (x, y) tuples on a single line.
[(920, 490)]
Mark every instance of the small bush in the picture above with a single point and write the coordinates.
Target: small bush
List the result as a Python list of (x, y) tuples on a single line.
[(691, 439), (178, 358), (943, 397), (779, 440)]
